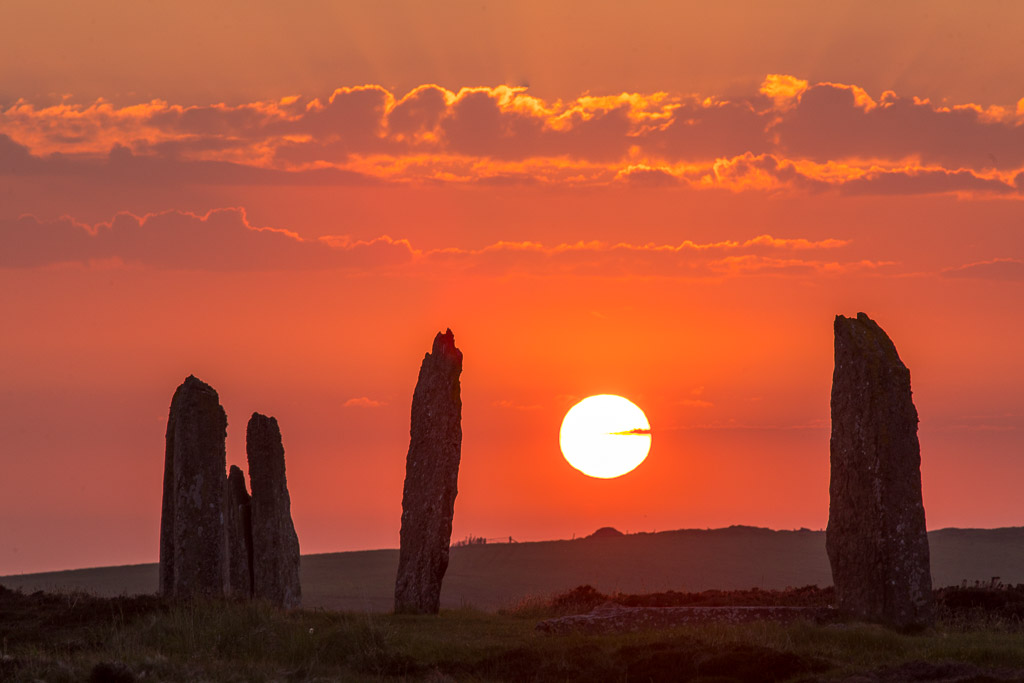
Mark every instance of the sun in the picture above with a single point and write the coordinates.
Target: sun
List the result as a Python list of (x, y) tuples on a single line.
[(605, 436)]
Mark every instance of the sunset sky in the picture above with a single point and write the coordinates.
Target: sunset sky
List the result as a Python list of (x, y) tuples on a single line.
[(665, 200)]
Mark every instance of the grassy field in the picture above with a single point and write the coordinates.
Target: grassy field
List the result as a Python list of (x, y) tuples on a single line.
[(488, 577), (73, 637)]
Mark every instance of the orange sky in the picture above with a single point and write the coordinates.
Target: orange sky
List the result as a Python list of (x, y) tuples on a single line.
[(670, 204)]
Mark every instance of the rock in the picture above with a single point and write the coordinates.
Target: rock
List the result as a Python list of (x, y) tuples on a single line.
[(191, 528), (274, 542), (876, 538), (238, 535), (431, 479)]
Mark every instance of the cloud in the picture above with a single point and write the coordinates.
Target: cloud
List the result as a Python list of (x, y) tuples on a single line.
[(248, 121), (835, 121), (783, 89), (354, 116), (222, 239), (924, 181), (363, 402), (707, 130), (772, 173), (417, 116), (751, 264), (765, 172), (1005, 269), (225, 240), (789, 136), (642, 175), (685, 259), (504, 123), (162, 169)]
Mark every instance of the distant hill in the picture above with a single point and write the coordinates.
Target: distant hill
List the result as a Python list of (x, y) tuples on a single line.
[(494, 575)]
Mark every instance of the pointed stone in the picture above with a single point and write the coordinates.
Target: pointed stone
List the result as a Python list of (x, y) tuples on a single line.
[(431, 479), (191, 527), (876, 538), (274, 542), (238, 535)]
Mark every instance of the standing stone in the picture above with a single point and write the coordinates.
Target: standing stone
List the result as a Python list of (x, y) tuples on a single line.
[(238, 535), (274, 542), (191, 527), (431, 479), (876, 539)]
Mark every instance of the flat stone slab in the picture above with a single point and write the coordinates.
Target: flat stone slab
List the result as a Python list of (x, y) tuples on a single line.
[(613, 618)]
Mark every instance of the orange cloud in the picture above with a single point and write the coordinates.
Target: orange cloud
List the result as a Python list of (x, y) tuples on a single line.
[(926, 181), (224, 239), (790, 136), (751, 264), (363, 402), (1006, 269), (784, 90), (642, 175), (835, 122), (221, 239)]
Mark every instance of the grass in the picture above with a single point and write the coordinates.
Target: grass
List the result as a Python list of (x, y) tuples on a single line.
[(76, 637)]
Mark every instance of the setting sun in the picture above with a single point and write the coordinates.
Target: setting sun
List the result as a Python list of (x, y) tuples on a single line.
[(605, 436)]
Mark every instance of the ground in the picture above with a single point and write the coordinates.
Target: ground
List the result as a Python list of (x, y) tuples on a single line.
[(74, 637)]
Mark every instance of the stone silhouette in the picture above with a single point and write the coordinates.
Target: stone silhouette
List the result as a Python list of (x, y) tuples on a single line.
[(431, 479), (191, 529), (238, 535), (876, 539), (274, 542)]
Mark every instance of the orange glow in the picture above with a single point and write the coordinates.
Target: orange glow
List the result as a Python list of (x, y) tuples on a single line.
[(629, 205)]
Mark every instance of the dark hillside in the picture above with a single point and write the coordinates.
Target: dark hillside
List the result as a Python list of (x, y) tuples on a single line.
[(691, 560)]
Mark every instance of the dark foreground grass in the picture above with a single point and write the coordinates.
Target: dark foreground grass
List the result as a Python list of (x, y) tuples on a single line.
[(74, 637)]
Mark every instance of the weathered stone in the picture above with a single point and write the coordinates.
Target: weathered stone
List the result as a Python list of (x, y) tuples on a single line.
[(238, 535), (274, 542), (431, 479), (191, 527), (876, 538)]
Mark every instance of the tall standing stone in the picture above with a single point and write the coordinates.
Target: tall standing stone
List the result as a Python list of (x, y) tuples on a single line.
[(431, 479), (191, 528), (238, 535), (876, 538), (275, 544)]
